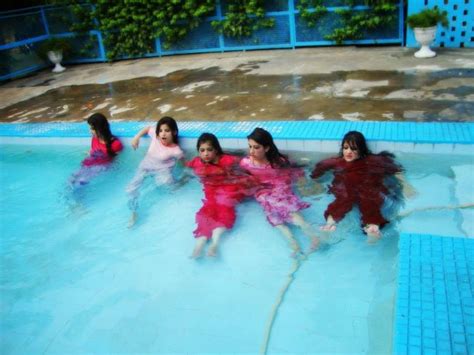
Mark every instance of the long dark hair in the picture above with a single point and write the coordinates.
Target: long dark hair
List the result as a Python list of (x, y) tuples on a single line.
[(212, 139), (356, 141), (171, 123), (100, 125), (264, 138)]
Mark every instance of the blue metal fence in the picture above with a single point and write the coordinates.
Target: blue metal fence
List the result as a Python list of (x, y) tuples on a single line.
[(22, 31), (459, 34)]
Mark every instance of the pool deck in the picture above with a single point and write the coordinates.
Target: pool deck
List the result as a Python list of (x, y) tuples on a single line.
[(316, 84)]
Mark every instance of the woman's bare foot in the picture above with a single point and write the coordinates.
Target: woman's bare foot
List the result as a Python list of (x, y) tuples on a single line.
[(212, 251), (373, 233), (197, 251), (328, 227)]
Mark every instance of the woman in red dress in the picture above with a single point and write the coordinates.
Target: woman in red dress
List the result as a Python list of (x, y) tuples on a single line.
[(224, 187)]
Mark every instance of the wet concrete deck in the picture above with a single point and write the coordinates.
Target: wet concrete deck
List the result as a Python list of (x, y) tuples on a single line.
[(346, 83)]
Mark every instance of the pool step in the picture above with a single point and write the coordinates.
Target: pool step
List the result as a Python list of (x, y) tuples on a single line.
[(435, 301), (464, 191)]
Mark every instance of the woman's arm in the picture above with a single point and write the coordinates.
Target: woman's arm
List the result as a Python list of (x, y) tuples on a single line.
[(136, 139), (322, 167)]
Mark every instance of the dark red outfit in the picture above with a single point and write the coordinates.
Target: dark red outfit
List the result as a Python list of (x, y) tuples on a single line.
[(360, 182), (223, 188)]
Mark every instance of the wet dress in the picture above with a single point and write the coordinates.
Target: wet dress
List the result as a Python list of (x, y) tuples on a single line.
[(275, 190), (158, 162), (97, 161), (360, 182), (224, 187)]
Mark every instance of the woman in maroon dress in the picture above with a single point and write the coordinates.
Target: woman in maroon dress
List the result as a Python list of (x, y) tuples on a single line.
[(359, 179)]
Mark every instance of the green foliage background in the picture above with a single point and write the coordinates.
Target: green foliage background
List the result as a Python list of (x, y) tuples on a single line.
[(130, 27)]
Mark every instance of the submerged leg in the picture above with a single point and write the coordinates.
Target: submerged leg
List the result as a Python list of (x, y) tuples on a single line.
[(197, 251), (290, 238), (216, 235), (299, 221), (133, 219)]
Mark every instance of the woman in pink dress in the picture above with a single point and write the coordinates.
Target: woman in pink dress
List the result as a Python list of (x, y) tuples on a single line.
[(224, 187), (275, 177), (162, 155)]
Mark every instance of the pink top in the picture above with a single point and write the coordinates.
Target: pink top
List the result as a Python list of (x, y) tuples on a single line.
[(160, 156), (99, 154), (268, 176), (275, 190)]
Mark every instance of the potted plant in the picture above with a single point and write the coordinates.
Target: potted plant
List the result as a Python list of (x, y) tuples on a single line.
[(55, 49), (424, 25)]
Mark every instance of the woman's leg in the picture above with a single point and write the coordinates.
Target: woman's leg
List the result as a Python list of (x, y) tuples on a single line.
[(283, 228), (133, 191), (336, 211), (299, 221), (197, 251), (216, 235), (371, 215)]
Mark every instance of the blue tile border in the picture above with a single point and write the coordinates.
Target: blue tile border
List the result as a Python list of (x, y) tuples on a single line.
[(414, 132), (435, 301)]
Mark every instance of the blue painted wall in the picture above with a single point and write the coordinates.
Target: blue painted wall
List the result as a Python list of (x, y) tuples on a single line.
[(459, 34)]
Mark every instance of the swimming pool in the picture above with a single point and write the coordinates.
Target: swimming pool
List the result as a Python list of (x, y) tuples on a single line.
[(77, 280)]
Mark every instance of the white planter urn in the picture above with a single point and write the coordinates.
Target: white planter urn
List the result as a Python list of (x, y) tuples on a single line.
[(56, 57), (425, 36)]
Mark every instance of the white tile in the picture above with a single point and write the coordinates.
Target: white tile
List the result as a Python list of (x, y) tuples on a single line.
[(229, 143), (242, 143), (464, 149), (188, 143), (311, 146), (405, 147), (45, 140), (423, 148), (330, 146), (382, 145), (443, 148), (295, 145), (282, 144)]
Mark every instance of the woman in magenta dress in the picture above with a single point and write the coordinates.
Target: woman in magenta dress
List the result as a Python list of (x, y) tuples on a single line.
[(224, 187), (275, 177), (359, 179), (104, 148)]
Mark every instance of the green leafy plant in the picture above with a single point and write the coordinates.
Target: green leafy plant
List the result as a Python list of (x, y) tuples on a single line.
[(58, 44), (130, 28), (428, 18), (311, 11), (355, 24), (242, 18)]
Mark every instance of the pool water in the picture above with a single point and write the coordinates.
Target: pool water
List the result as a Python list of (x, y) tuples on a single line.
[(75, 279)]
